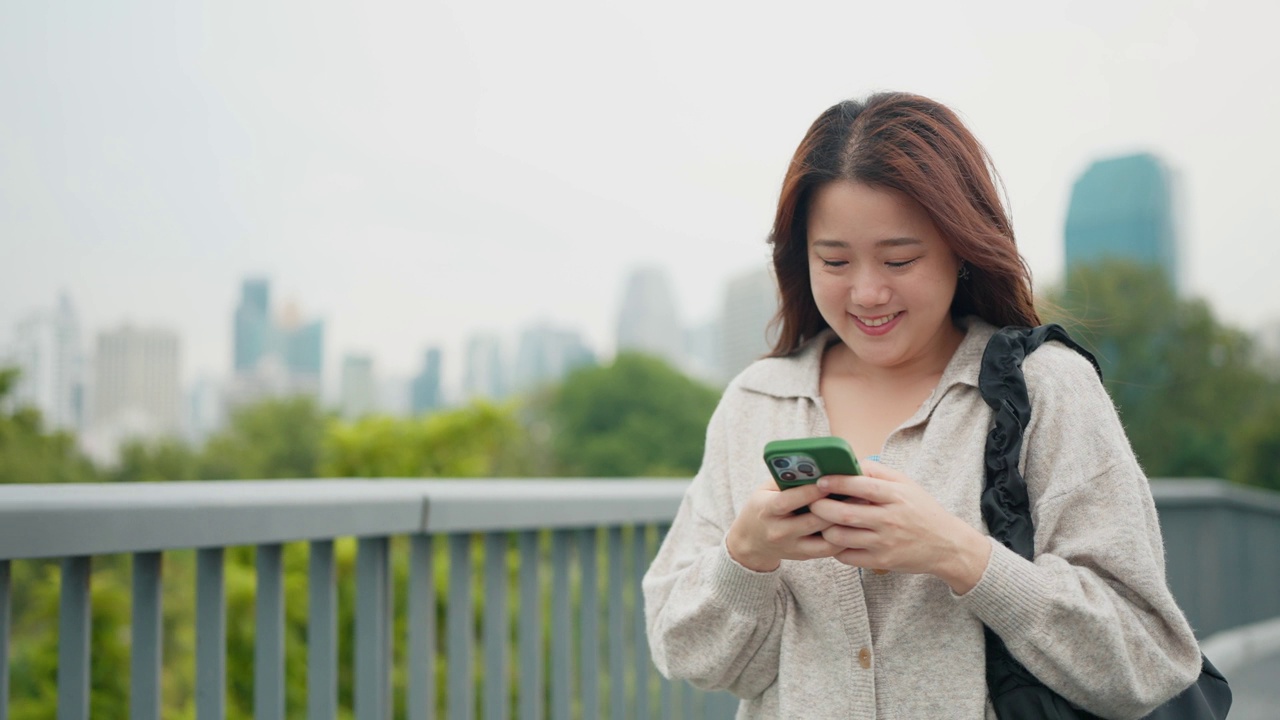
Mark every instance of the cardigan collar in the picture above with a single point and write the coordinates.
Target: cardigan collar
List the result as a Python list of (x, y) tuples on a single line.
[(797, 375)]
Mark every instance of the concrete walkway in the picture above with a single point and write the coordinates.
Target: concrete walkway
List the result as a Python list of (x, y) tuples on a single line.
[(1250, 659), (1255, 690)]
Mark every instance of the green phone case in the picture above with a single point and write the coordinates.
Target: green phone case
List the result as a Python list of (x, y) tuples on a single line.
[(803, 461)]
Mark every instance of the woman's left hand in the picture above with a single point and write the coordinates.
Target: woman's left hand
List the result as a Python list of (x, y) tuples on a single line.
[(899, 526)]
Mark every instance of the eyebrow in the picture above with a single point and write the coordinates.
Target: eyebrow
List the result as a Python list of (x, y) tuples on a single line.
[(887, 242)]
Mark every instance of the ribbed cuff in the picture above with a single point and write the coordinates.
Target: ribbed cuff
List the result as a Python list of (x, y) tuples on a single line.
[(739, 588), (1012, 597)]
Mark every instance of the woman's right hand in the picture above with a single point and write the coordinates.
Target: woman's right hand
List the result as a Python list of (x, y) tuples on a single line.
[(768, 530)]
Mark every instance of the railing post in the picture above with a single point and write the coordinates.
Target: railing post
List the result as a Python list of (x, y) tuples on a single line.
[(421, 701), (617, 628), (268, 646), (531, 690), (211, 635), (322, 633), (4, 639), (589, 623), (496, 703), (373, 629), (146, 652), (74, 629), (640, 560), (561, 627), (460, 619)]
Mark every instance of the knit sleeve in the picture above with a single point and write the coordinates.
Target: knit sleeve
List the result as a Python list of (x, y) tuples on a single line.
[(710, 620), (1092, 617)]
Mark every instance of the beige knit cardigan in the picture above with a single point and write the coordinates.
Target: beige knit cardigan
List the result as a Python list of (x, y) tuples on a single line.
[(1092, 616)]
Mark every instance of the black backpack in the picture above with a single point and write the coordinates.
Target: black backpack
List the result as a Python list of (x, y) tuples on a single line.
[(1015, 693)]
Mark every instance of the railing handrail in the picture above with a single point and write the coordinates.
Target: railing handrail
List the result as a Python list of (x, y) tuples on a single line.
[(1171, 492), (68, 520)]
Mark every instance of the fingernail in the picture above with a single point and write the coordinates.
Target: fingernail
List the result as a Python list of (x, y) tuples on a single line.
[(824, 484)]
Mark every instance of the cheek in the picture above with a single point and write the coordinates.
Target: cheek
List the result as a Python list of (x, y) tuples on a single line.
[(825, 292)]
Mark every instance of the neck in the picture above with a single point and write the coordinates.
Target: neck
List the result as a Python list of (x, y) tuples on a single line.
[(927, 367)]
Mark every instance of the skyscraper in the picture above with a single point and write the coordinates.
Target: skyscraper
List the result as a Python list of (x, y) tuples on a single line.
[(648, 321), (50, 360), (425, 395), (136, 392), (274, 356), (485, 374), (546, 354), (359, 392), (252, 325), (750, 302), (1122, 207)]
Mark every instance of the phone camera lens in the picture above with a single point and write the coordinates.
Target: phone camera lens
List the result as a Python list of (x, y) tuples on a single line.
[(788, 476), (780, 462), (805, 468)]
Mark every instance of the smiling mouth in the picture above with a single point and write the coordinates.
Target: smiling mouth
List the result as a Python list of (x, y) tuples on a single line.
[(877, 321)]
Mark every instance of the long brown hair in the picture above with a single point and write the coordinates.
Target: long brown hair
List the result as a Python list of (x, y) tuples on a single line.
[(918, 147)]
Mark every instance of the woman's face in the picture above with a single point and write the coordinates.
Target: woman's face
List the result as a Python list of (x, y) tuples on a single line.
[(882, 276)]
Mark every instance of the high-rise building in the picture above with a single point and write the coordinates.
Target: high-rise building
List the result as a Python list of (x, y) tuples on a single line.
[(47, 351), (750, 302), (274, 356), (253, 327), (1123, 208), (546, 354), (702, 348), (136, 392), (648, 321), (205, 410), (359, 391), (424, 390), (484, 375)]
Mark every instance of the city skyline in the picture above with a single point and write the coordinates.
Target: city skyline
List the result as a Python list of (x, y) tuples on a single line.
[(400, 166)]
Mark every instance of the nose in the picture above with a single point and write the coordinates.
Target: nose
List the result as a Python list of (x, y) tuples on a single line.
[(868, 289)]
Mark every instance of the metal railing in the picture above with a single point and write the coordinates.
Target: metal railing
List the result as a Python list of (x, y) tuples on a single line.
[(573, 527), (590, 661)]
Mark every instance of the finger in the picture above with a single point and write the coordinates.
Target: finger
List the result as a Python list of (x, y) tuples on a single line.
[(871, 468), (794, 498), (871, 489), (816, 546), (857, 557), (848, 513), (850, 538)]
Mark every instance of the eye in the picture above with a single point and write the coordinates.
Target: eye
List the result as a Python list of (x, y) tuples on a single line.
[(896, 264), (833, 263)]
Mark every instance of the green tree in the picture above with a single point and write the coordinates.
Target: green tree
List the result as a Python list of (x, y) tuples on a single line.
[(1180, 379), (480, 440), (277, 438), (636, 417), (156, 461), (1256, 446), (29, 453)]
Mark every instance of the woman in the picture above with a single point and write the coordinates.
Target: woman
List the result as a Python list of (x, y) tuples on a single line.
[(895, 262)]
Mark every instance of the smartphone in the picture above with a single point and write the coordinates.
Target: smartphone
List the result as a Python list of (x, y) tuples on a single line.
[(803, 461)]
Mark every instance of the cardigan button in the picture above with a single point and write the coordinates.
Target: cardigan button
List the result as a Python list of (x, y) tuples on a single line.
[(864, 658)]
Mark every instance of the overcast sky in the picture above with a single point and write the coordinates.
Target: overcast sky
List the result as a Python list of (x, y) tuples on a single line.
[(414, 172)]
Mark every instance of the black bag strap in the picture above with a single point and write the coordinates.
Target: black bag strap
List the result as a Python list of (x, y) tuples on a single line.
[(1005, 506)]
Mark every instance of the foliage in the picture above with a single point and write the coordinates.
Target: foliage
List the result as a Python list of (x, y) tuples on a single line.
[(277, 438), (30, 454), (1256, 449), (1180, 379), (480, 440), (636, 417)]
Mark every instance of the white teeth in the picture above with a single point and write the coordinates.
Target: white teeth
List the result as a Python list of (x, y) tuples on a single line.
[(877, 322)]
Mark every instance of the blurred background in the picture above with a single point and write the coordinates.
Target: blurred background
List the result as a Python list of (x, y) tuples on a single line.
[(396, 208), (248, 240)]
